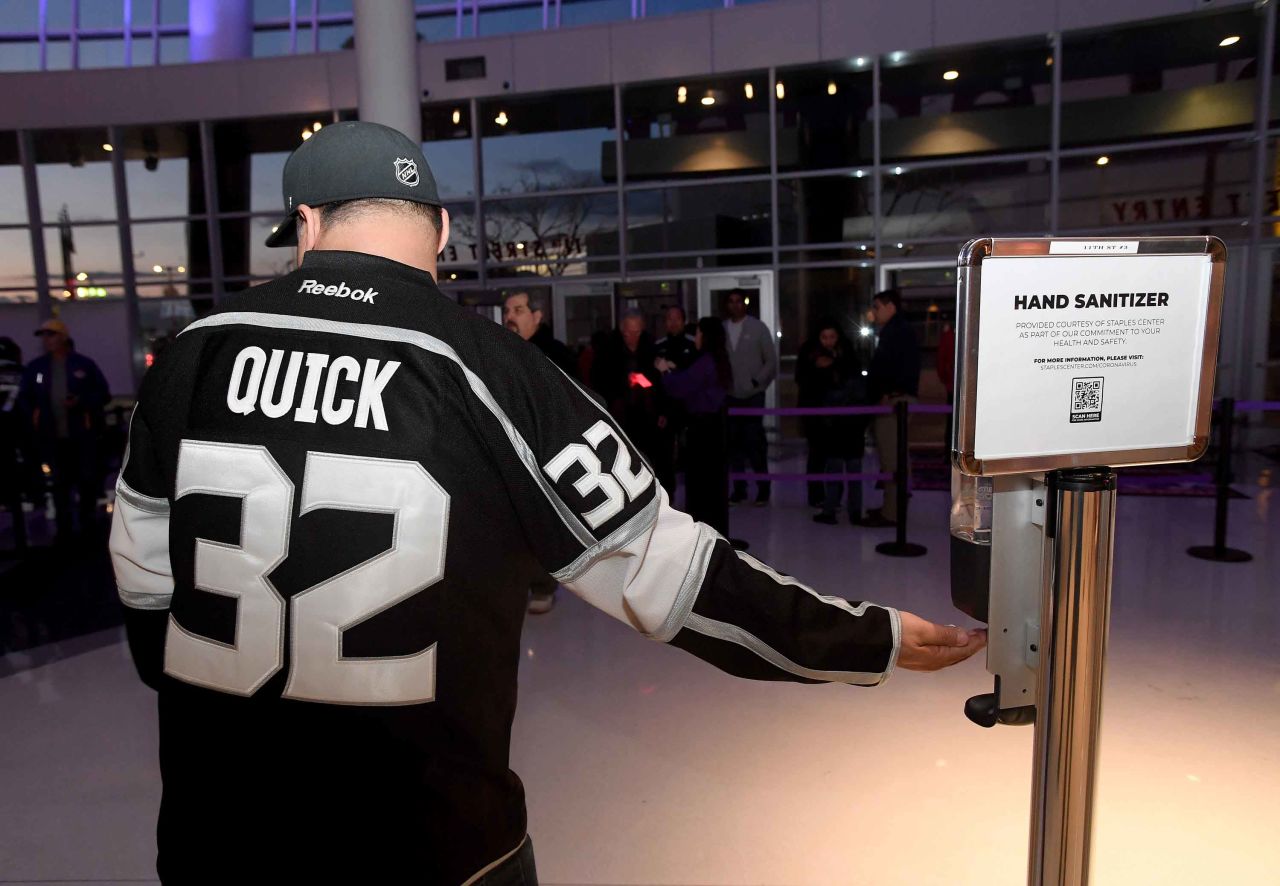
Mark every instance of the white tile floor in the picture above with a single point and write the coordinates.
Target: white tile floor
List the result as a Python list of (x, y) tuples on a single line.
[(644, 766)]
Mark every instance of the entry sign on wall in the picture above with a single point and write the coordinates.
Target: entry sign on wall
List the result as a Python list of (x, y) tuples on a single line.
[(1086, 352)]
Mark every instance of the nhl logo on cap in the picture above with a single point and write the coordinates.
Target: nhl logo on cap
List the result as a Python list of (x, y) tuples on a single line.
[(407, 172)]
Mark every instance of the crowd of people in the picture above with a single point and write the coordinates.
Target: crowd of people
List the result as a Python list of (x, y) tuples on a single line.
[(52, 423), (672, 395)]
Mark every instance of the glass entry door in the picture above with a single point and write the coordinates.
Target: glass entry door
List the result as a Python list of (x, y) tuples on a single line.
[(581, 309)]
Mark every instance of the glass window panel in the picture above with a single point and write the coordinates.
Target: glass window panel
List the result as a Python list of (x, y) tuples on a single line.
[(173, 50), (1138, 188), (20, 57), (141, 14), (987, 199), (93, 251), (19, 297), (144, 51), (1164, 78), (549, 143), (19, 15), (590, 12), (334, 38), (58, 16), (463, 246), (944, 249), (163, 171), (699, 217), (809, 296), (13, 209), (436, 28), (304, 39), (672, 131), (666, 7), (173, 12), (250, 157), (446, 133), (244, 249), (824, 115), (267, 10), (101, 14), (17, 267), (102, 53), (57, 55), (335, 6), (973, 101), (829, 209), (180, 250), (160, 321), (851, 254), (552, 235), (74, 171), (511, 20), (269, 43)]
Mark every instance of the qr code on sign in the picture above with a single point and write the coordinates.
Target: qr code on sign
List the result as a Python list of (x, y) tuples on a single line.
[(1086, 399)]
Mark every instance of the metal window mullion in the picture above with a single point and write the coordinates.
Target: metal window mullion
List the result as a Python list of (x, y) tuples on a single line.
[(475, 18), (128, 275), (1253, 269), (315, 25), (559, 3), (620, 177), (155, 32), (877, 192), (774, 224), (1055, 137), (44, 36), (75, 34), (39, 260), (477, 164), (128, 33), (293, 27), (209, 174)]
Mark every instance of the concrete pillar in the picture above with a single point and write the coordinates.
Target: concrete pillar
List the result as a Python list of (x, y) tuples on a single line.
[(387, 64), (220, 29)]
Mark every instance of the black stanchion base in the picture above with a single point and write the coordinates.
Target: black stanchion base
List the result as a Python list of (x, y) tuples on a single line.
[(1219, 555), (901, 549)]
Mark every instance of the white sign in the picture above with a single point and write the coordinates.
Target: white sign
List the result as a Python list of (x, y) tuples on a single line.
[(1089, 354), (1093, 247)]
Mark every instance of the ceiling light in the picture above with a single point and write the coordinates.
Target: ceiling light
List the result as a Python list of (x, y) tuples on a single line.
[(82, 276), (317, 126), (896, 57), (275, 228), (781, 90), (519, 246), (899, 245), (1230, 41), (951, 75), (865, 330), (502, 119), (860, 61), (157, 269), (682, 94), (1103, 160), (708, 100), (182, 269), (453, 276), (306, 134), (750, 91), (858, 173), (66, 293), (1048, 62), (457, 116), (108, 148), (831, 88), (897, 170)]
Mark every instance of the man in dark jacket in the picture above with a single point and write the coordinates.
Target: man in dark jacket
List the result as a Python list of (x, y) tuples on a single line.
[(522, 314), (894, 378), (11, 436), (63, 394)]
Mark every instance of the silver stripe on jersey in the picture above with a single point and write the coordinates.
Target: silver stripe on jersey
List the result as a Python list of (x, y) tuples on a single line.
[(140, 549), (734, 634), (428, 343), (687, 595), (620, 538)]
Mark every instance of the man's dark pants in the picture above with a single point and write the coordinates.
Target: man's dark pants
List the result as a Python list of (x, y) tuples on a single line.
[(747, 444)]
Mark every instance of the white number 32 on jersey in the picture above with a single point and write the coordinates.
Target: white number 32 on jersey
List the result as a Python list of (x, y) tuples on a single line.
[(619, 484)]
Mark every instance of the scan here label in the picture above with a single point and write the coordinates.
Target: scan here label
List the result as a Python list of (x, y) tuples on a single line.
[(1088, 353)]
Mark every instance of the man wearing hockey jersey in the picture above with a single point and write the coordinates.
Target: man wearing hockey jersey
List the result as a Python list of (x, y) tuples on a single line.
[(338, 488)]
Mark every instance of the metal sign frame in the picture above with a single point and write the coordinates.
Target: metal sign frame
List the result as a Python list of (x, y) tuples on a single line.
[(968, 313)]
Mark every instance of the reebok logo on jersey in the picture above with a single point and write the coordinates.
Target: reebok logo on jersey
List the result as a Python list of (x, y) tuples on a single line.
[(255, 384), (342, 290)]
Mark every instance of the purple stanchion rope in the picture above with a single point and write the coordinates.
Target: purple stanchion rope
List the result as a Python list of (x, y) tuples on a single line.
[(1257, 405), (926, 408), (783, 478)]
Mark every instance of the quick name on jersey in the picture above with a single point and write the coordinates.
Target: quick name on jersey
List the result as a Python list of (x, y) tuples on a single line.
[(255, 376)]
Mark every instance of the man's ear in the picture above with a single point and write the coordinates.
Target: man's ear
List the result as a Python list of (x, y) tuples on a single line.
[(308, 229), (444, 230)]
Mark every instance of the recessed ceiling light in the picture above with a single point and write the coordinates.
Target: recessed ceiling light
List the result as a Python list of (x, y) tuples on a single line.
[(950, 75), (502, 119), (1103, 160), (831, 87), (781, 91), (1230, 41), (457, 116), (682, 94), (108, 148), (157, 269), (750, 91), (317, 126), (708, 100)]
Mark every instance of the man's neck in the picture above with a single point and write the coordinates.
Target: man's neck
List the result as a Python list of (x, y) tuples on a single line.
[(737, 319), (407, 251)]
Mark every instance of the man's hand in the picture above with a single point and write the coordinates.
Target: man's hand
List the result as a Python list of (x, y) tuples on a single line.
[(930, 647)]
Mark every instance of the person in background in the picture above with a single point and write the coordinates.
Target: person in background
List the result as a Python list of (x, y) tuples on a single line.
[(754, 358), (702, 388), (815, 371), (894, 378), (62, 396), (623, 374), (677, 348), (11, 437), (835, 378), (947, 375), (522, 314), (587, 356)]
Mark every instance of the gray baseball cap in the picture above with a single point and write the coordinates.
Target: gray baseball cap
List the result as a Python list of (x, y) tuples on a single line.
[(352, 161)]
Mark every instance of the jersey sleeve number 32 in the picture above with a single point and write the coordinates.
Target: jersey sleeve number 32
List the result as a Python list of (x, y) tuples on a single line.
[(320, 614)]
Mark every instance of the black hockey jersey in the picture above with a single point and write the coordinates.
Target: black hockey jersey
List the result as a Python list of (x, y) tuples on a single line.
[(337, 491)]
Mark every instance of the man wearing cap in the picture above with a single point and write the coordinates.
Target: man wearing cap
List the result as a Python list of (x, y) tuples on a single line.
[(331, 512), (63, 394)]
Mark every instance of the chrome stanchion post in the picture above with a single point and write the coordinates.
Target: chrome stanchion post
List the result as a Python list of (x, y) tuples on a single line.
[(1079, 536)]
